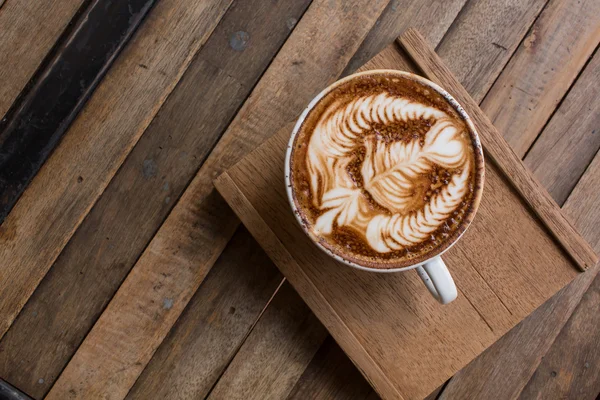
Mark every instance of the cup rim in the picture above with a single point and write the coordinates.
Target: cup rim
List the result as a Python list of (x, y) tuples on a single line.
[(476, 144)]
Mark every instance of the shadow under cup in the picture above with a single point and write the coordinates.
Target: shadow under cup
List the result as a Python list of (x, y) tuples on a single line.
[(429, 265)]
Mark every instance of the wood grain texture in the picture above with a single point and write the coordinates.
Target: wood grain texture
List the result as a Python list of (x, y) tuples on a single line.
[(331, 375), (467, 18), (282, 257), (212, 327), (571, 139), (100, 138), (140, 196), (503, 370), (503, 156), (279, 348), (77, 64), (482, 39), (570, 369), (542, 69), (29, 30), (163, 370), (263, 204), (563, 371), (200, 225), (432, 18)]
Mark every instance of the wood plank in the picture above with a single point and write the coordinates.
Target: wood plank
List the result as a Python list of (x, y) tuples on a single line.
[(470, 17), (482, 39), (569, 354), (29, 30), (277, 351), (195, 233), (430, 18), (212, 328), (78, 171), (254, 198), (571, 351), (164, 370), (331, 375), (570, 369), (109, 241), (81, 59), (500, 152), (570, 140), (505, 368), (542, 69)]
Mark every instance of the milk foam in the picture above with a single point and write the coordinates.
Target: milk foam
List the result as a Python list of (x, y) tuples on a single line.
[(389, 171)]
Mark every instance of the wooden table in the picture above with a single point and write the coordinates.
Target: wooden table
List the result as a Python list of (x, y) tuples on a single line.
[(124, 275)]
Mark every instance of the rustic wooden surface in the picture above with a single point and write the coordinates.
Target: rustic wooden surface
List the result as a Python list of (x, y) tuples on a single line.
[(501, 154), (180, 97), (484, 270)]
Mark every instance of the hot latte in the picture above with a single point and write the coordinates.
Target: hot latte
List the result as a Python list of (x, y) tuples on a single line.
[(385, 171)]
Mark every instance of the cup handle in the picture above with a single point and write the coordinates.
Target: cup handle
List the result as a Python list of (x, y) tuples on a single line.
[(437, 278)]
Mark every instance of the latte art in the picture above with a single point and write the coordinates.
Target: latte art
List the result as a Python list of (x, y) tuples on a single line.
[(387, 173)]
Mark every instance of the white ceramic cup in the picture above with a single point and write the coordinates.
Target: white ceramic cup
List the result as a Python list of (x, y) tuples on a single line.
[(433, 271)]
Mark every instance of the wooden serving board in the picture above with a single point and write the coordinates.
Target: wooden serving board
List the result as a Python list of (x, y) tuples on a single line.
[(518, 252)]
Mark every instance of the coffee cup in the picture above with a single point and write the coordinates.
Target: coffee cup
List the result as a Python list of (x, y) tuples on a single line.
[(384, 171)]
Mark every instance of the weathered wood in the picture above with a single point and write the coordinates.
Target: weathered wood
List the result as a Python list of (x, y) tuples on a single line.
[(213, 326), (264, 209), (98, 257), (29, 30), (542, 70), (331, 375), (472, 16), (273, 357), (196, 231), (469, 17), (582, 204), (570, 369), (82, 58), (98, 141), (572, 350), (503, 156), (431, 18), (571, 139), (482, 39), (505, 368), (198, 367)]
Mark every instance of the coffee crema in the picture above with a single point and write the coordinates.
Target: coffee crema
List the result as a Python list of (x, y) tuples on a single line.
[(385, 172)]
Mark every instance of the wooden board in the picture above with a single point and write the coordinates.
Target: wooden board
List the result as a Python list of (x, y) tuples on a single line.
[(569, 372), (275, 354), (331, 375), (490, 286), (542, 69), (213, 327), (142, 193), (29, 30), (199, 227), (571, 139), (78, 171), (502, 155), (477, 45), (79, 61)]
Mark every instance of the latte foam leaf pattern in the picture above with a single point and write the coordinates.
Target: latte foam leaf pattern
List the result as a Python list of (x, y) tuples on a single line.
[(389, 171)]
